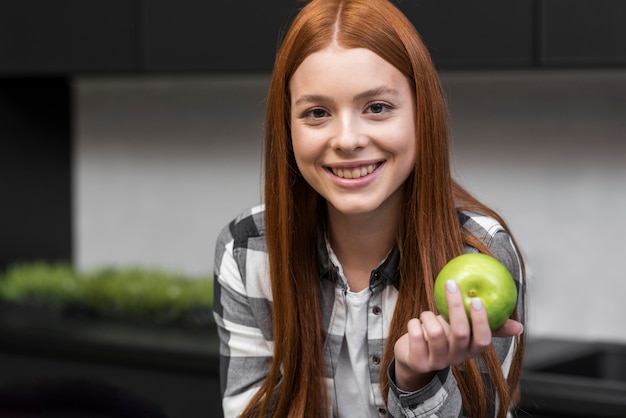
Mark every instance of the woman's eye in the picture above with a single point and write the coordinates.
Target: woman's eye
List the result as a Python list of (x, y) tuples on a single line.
[(378, 108), (318, 113)]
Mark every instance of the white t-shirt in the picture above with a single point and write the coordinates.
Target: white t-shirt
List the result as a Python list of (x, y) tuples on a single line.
[(353, 385), (353, 388)]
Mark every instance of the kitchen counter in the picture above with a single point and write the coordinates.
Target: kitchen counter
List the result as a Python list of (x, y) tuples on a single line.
[(568, 378)]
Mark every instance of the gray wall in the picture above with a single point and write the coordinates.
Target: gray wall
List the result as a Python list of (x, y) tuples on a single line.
[(163, 163)]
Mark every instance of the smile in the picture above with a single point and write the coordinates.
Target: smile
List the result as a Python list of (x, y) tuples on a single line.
[(354, 172)]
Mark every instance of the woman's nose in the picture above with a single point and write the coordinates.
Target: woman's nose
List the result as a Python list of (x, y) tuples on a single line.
[(348, 136)]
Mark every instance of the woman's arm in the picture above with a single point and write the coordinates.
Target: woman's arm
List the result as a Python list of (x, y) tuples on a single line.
[(245, 349), (421, 379)]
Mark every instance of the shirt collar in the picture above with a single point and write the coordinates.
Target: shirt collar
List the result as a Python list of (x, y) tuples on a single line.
[(387, 273)]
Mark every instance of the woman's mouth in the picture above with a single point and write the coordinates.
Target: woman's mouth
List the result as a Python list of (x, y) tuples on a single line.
[(354, 172)]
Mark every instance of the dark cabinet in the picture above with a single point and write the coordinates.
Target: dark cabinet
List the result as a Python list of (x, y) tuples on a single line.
[(71, 37), (32, 37), (102, 35), (63, 366), (583, 33), (195, 35), (67, 36), (35, 169), (475, 34)]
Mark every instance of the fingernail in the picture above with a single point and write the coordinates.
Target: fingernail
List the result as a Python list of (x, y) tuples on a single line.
[(477, 304), (451, 286)]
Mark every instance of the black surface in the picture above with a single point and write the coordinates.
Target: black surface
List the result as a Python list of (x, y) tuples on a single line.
[(155, 36), (607, 363), (220, 36), (66, 36), (475, 34), (105, 367), (35, 170), (565, 378), (583, 33), (56, 366)]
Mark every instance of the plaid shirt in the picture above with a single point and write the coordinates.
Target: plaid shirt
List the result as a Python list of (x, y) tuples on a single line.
[(243, 312)]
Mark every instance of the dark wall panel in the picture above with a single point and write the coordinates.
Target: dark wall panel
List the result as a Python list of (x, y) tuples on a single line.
[(66, 36), (35, 170), (193, 35), (150, 36), (103, 35), (475, 34), (31, 37), (583, 32), (196, 35)]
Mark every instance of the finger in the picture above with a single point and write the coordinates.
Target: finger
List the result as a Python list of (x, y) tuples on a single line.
[(481, 333), (460, 331), (401, 350), (509, 329), (433, 330), (435, 335), (417, 346), (415, 331), (417, 339), (445, 325), (456, 309)]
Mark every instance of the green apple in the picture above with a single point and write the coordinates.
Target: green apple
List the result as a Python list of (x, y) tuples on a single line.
[(481, 276)]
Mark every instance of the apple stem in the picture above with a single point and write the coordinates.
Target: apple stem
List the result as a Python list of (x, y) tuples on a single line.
[(472, 293)]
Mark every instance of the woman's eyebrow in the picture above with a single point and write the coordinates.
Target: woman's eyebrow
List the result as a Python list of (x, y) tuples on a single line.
[(313, 98), (321, 98), (377, 91)]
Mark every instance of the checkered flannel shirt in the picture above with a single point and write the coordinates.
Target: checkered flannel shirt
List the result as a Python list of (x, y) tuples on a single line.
[(243, 312)]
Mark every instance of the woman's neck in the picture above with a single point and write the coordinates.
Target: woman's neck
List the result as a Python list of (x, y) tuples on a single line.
[(361, 242)]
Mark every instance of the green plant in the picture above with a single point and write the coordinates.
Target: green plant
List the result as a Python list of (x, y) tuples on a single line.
[(39, 281), (131, 292)]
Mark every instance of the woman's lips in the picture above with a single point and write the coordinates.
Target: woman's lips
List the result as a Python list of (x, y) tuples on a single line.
[(354, 172)]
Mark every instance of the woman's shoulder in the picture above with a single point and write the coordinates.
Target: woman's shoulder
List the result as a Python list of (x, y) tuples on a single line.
[(249, 223), (493, 235), (479, 224)]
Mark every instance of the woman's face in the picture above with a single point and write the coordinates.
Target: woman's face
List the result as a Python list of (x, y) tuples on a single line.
[(353, 128)]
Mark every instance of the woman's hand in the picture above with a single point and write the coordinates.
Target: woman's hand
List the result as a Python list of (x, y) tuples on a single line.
[(432, 344)]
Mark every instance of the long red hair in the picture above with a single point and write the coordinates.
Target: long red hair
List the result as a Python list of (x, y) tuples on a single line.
[(429, 235)]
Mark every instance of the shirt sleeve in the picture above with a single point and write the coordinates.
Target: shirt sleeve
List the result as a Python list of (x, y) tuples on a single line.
[(245, 351), (441, 397)]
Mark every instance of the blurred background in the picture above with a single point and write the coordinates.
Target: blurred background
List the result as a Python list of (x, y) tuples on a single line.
[(131, 133)]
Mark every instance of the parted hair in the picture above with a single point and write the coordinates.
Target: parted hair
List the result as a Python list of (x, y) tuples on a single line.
[(430, 233)]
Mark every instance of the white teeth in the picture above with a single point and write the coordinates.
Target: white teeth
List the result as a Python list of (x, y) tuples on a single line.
[(354, 173)]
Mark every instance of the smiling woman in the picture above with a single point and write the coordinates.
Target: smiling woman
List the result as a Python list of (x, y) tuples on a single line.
[(324, 295), (353, 134)]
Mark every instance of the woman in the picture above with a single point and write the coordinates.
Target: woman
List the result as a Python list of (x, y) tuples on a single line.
[(324, 295)]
